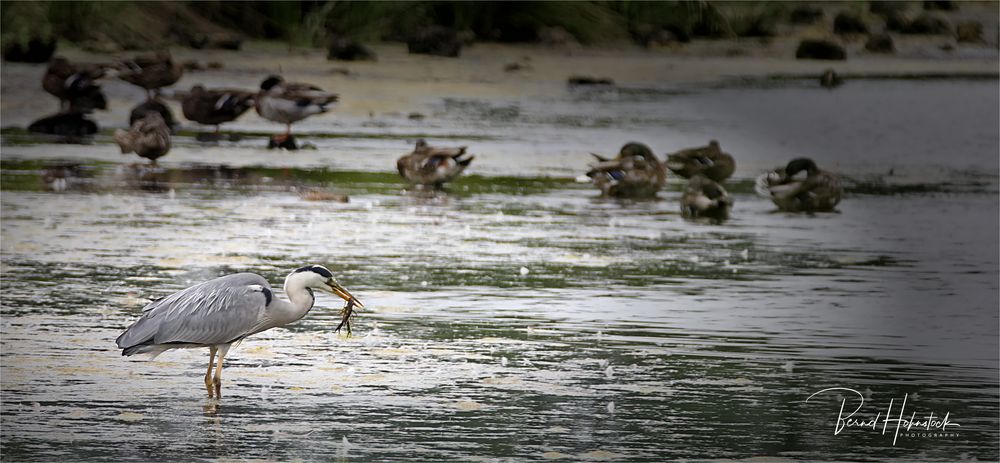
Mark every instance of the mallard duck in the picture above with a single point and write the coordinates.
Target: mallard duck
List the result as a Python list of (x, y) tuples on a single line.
[(75, 84), (428, 165), (818, 191), (709, 161), (634, 173), (151, 71), (148, 137), (214, 107), (289, 102), (704, 197)]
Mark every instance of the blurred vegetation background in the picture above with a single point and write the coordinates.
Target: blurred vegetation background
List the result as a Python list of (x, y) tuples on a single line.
[(115, 26)]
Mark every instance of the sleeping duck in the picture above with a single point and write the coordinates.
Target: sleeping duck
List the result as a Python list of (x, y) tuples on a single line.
[(428, 165), (289, 102), (709, 161), (705, 198), (148, 137), (75, 84), (151, 71), (817, 191), (634, 173), (214, 107)]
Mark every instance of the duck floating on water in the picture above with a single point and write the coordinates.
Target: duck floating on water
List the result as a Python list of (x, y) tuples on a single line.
[(818, 191), (429, 165), (148, 137), (151, 71), (290, 102), (830, 79), (216, 106), (75, 84), (634, 173), (709, 161), (705, 198)]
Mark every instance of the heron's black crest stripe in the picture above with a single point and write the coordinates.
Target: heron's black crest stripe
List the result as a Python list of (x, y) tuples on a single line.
[(267, 295), (315, 268)]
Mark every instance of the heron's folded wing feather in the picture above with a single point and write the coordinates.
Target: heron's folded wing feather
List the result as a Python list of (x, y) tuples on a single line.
[(214, 312)]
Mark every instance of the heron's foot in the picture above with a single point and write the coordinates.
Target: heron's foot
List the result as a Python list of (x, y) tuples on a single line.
[(218, 386), (209, 386)]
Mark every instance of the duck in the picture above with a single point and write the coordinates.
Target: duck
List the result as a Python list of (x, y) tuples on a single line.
[(148, 137), (290, 102), (75, 84), (151, 71), (818, 191), (705, 198), (634, 173), (216, 106), (429, 165), (830, 79), (154, 105), (709, 161)]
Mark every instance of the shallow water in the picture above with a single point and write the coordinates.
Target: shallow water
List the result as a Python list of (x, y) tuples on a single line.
[(517, 315)]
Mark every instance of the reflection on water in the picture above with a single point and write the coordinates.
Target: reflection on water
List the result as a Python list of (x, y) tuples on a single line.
[(508, 317)]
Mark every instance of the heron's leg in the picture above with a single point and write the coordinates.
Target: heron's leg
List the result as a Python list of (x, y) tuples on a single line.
[(208, 374), (223, 350)]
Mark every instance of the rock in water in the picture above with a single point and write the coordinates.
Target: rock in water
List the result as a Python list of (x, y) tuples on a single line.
[(437, 41), (820, 49), (345, 49), (846, 23), (880, 43), (36, 50)]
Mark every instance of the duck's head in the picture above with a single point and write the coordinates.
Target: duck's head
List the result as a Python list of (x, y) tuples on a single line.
[(798, 165), (636, 150), (270, 82), (196, 90), (421, 144)]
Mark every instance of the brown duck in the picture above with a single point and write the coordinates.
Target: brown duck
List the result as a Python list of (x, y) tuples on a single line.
[(151, 71), (428, 165), (818, 191), (75, 84), (709, 161), (216, 106), (148, 137), (634, 173), (705, 198)]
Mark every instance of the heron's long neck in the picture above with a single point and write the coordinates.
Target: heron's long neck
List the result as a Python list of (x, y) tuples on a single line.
[(300, 301)]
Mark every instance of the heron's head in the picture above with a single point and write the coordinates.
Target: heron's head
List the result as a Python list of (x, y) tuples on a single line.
[(318, 277)]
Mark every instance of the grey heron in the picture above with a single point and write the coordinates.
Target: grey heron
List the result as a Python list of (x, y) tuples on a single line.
[(219, 313)]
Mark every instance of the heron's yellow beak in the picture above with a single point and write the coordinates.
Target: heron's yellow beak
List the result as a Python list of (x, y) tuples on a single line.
[(344, 294)]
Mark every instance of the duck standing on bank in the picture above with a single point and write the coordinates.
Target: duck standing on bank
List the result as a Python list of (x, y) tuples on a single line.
[(428, 165), (216, 106), (151, 71), (75, 84), (634, 173), (709, 161), (818, 191), (290, 102), (148, 137), (705, 198)]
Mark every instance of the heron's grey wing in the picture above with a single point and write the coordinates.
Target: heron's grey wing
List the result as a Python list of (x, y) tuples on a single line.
[(214, 312)]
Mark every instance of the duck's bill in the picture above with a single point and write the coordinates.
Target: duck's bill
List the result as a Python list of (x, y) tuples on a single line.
[(344, 294)]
